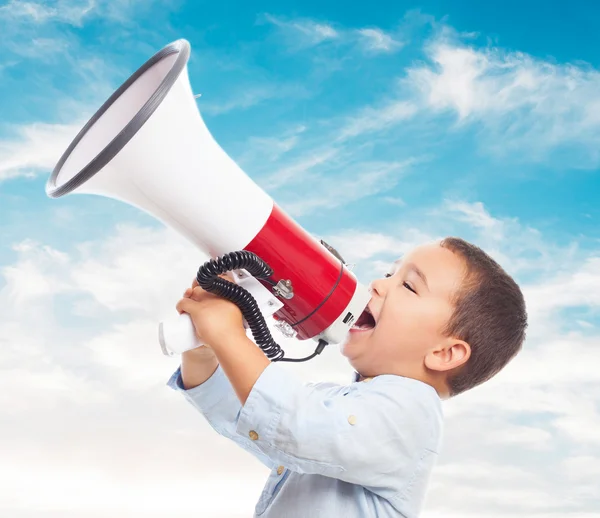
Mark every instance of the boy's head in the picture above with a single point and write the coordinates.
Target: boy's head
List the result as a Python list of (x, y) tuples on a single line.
[(447, 314)]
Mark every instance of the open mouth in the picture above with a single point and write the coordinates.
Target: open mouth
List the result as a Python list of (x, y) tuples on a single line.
[(365, 321)]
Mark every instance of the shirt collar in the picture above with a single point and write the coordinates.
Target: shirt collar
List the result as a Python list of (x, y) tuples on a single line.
[(356, 377)]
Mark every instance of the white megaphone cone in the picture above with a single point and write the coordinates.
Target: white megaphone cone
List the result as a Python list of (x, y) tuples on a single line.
[(149, 147)]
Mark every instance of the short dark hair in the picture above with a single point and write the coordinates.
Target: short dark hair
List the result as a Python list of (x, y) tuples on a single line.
[(489, 314)]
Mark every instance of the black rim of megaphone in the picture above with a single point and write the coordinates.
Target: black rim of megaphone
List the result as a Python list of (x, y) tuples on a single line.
[(127, 133)]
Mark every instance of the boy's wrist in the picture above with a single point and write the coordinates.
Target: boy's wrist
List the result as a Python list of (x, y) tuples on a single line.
[(199, 355), (195, 370), (229, 339)]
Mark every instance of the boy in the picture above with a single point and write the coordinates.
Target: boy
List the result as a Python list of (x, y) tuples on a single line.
[(446, 319)]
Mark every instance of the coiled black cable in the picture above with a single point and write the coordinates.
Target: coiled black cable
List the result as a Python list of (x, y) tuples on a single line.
[(209, 280)]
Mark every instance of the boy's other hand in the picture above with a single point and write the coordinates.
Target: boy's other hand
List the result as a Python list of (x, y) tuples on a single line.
[(215, 319)]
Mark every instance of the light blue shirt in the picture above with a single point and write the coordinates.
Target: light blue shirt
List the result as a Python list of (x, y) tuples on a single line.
[(361, 450)]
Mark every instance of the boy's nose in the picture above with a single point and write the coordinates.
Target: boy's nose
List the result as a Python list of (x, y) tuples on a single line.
[(377, 288)]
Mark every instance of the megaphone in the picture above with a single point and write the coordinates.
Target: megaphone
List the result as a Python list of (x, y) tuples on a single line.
[(148, 146)]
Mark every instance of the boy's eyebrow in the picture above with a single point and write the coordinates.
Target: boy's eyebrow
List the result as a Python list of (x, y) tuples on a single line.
[(416, 269)]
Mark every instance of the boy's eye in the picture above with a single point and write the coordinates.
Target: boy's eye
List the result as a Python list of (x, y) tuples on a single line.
[(407, 286)]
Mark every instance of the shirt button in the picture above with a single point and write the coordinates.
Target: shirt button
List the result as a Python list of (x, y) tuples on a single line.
[(253, 435), (280, 470), (352, 419)]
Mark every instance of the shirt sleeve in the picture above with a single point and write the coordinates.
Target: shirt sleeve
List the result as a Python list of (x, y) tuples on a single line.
[(375, 437), (216, 400)]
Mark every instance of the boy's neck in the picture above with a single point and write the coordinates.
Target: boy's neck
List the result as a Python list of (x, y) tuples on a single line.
[(440, 385)]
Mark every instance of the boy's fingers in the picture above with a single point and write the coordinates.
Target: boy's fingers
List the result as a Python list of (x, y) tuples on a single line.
[(228, 276), (185, 306), (198, 294)]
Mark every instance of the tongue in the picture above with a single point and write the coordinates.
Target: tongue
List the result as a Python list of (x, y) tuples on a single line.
[(365, 320)]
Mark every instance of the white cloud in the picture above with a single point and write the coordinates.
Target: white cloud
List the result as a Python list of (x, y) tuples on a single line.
[(475, 215), (35, 148), (119, 350), (269, 149), (72, 12), (376, 40), (372, 119), (33, 276), (68, 11), (522, 103), (394, 200), (304, 32), (121, 273), (300, 169), (45, 390), (43, 48), (442, 512), (250, 96), (358, 246), (575, 288), (580, 351), (582, 468), (66, 488), (474, 471), (526, 436), (372, 178), (520, 249)]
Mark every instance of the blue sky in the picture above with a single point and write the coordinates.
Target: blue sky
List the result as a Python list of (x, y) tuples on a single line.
[(378, 127), (270, 72)]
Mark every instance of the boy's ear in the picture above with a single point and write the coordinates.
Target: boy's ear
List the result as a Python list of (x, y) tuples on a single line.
[(448, 355)]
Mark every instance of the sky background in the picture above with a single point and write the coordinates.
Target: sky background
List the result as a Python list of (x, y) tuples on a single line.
[(378, 127)]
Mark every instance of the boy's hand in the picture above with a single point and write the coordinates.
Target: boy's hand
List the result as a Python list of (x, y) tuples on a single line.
[(215, 319)]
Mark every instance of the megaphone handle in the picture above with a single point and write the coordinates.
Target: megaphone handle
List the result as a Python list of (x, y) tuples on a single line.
[(177, 335)]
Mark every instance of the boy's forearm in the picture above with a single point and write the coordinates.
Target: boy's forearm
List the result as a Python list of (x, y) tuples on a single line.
[(243, 362), (197, 366)]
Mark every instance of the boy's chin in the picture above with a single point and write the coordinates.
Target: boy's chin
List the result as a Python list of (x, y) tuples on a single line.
[(355, 343)]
